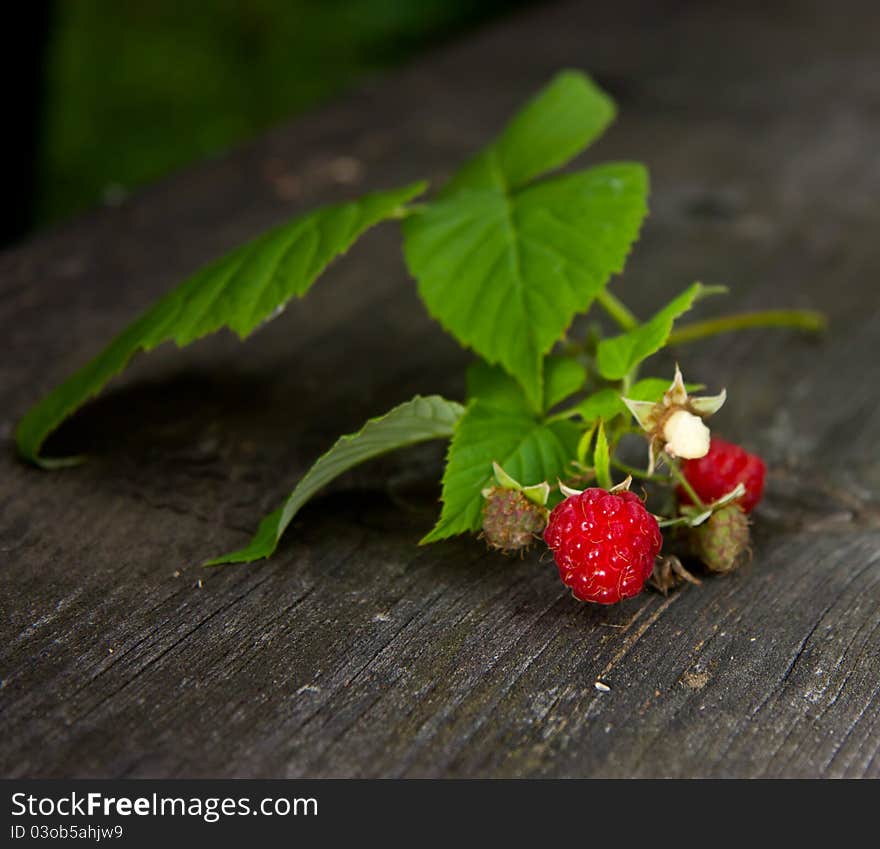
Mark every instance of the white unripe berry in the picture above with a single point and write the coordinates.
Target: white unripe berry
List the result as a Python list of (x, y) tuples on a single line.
[(686, 436)]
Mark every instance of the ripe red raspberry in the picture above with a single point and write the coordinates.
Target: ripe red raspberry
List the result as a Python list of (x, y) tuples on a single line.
[(721, 470), (604, 544)]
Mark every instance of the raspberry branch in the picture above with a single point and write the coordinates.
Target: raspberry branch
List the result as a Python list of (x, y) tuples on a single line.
[(808, 320), (618, 310), (509, 256)]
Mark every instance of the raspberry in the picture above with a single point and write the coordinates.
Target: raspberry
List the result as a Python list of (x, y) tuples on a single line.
[(721, 470), (722, 542), (604, 544), (685, 434), (510, 521)]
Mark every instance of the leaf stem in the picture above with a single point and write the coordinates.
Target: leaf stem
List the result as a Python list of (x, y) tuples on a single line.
[(808, 320), (561, 415), (406, 210), (641, 474), (618, 310)]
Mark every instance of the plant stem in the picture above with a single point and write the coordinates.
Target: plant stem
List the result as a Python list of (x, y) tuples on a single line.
[(809, 320), (618, 310), (561, 415), (638, 473), (669, 523), (685, 483), (409, 209)]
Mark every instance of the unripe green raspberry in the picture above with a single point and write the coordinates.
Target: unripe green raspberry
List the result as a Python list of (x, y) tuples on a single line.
[(722, 541), (510, 521)]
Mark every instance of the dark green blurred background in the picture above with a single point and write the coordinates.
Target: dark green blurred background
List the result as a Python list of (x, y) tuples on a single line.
[(124, 91)]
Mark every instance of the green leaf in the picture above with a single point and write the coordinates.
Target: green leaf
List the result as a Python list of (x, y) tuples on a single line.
[(563, 376), (529, 451), (504, 264), (506, 273), (654, 388), (604, 404), (602, 459), (240, 291), (648, 389), (495, 387), (415, 421), (584, 444), (618, 355), (562, 120), (607, 403)]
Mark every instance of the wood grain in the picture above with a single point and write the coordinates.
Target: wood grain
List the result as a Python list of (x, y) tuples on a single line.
[(354, 652)]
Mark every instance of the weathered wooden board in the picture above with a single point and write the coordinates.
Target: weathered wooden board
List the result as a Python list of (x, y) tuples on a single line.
[(354, 652)]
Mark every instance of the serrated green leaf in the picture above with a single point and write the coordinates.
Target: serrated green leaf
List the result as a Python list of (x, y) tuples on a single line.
[(602, 458), (495, 387), (529, 451), (506, 273), (563, 119), (563, 376), (415, 421), (619, 354), (240, 291), (504, 264)]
